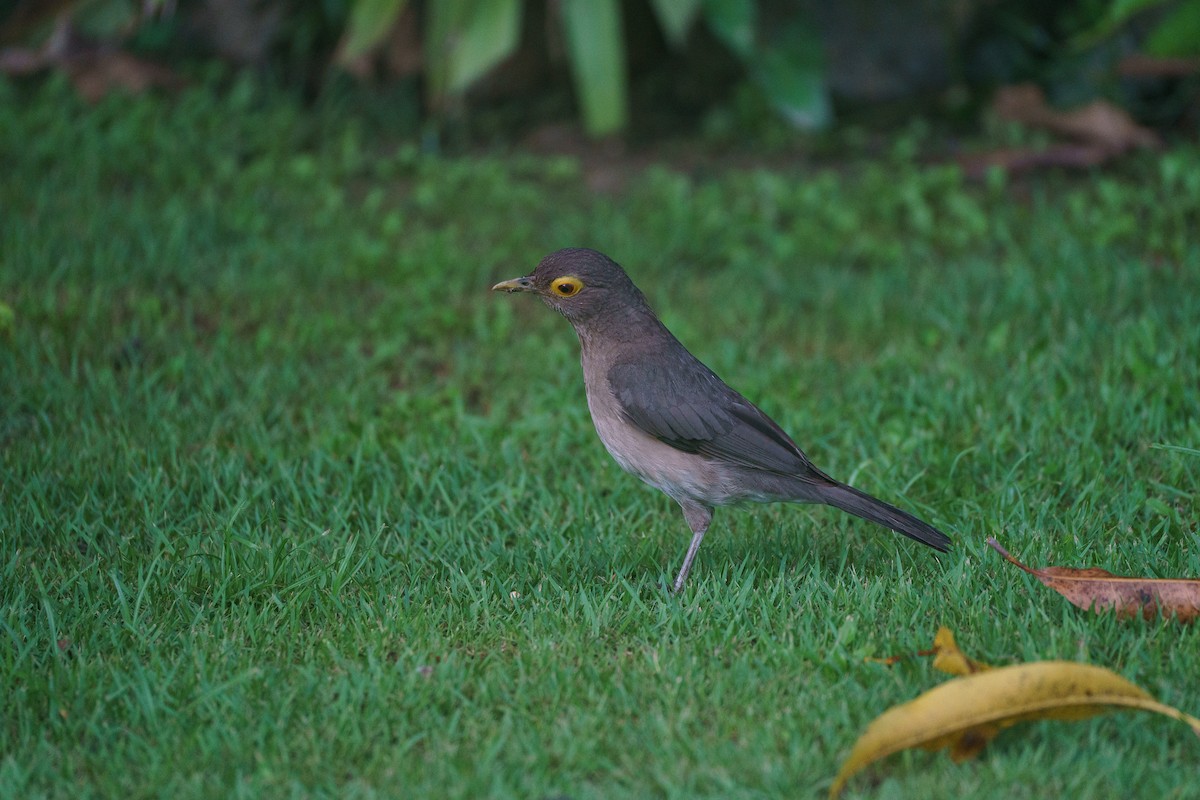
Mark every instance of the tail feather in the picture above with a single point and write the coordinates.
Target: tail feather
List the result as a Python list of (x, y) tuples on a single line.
[(861, 504)]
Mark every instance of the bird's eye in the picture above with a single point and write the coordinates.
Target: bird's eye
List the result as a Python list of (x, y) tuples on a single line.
[(566, 286)]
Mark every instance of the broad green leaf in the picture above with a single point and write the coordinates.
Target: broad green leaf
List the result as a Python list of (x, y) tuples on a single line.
[(597, 53), (466, 38), (368, 24), (676, 18), (732, 21), (1179, 32), (1120, 12), (794, 89)]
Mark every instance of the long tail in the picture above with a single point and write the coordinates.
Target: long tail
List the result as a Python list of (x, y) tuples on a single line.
[(861, 504)]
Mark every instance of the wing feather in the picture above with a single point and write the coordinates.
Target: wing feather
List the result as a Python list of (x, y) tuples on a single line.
[(691, 409)]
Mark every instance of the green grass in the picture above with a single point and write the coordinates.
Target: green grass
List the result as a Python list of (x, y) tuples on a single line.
[(292, 505)]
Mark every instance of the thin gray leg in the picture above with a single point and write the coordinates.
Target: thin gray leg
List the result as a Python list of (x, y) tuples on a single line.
[(698, 518)]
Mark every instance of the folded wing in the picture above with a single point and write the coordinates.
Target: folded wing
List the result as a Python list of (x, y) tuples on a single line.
[(691, 409)]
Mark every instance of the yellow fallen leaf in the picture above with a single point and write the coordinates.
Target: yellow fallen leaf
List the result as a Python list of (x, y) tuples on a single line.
[(1096, 588), (964, 714), (948, 658)]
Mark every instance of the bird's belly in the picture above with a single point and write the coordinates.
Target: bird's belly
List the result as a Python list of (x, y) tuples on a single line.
[(679, 474)]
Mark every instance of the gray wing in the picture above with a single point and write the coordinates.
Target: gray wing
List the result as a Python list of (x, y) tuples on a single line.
[(691, 409)]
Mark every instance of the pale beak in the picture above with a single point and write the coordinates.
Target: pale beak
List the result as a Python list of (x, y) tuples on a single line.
[(515, 285)]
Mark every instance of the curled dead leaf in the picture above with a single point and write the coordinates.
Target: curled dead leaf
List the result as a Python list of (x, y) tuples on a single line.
[(1096, 588), (1098, 123), (1097, 132), (964, 714)]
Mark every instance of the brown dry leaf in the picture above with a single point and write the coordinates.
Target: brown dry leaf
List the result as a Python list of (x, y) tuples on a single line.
[(891, 661), (21, 60), (1099, 131), (94, 68), (965, 713), (1097, 588), (1098, 123), (1140, 65), (97, 73)]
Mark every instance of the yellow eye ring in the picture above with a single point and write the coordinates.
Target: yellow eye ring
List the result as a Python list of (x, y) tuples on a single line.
[(566, 286)]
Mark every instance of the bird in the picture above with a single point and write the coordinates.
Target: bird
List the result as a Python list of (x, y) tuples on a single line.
[(668, 419)]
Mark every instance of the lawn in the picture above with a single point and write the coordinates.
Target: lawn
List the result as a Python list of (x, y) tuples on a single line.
[(292, 505)]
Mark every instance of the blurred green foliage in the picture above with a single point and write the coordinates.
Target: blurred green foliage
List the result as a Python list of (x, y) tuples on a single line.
[(1074, 51), (1174, 31), (777, 50), (464, 39)]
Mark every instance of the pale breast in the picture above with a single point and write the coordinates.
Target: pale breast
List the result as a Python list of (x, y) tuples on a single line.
[(678, 474)]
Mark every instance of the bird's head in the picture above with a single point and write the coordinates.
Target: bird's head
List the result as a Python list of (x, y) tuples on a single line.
[(582, 285)]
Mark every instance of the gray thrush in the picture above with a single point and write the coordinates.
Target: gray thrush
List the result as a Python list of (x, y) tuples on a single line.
[(666, 418)]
